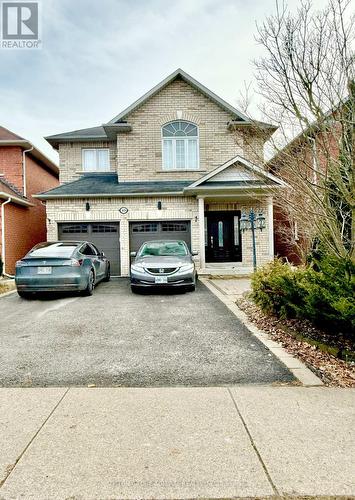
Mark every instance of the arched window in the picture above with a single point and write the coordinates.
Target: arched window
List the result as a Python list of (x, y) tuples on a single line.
[(180, 146)]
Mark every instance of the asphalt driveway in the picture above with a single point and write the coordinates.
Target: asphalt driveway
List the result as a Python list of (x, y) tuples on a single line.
[(115, 338)]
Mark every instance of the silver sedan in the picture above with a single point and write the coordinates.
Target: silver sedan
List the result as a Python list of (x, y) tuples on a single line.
[(164, 264)]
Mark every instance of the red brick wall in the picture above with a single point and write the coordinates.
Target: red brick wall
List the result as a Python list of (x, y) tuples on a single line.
[(24, 227), (329, 142), (11, 165)]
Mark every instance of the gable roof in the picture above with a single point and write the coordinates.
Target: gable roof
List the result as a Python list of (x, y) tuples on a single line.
[(108, 131), (179, 73), (7, 135), (258, 171)]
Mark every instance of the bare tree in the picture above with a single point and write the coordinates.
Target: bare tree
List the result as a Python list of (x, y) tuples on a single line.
[(306, 81)]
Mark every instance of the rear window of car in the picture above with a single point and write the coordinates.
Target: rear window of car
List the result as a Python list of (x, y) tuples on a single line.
[(163, 248), (52, 250)]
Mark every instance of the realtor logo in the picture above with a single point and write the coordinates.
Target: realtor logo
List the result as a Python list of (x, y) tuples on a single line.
[(20, 25)]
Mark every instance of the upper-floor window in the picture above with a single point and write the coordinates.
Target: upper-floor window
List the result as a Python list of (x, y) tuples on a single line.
[(180, 146), (96, 160)]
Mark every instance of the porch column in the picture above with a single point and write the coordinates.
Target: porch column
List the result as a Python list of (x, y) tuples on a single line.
[(201, 230), (270, 212)]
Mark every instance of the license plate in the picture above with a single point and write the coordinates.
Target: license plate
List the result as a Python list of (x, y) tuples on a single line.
[(161, 279), (44, 270)]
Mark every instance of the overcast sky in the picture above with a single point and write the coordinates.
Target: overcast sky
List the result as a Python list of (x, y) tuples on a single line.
[(99, 56)]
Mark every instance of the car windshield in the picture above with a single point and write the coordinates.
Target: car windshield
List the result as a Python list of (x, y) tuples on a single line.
[(53, 250), (163, 248)]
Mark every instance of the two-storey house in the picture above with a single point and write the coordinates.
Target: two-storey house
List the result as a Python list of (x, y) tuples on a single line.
[(174, 165)]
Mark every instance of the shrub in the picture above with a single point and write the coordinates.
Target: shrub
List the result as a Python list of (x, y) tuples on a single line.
[(324, 294)]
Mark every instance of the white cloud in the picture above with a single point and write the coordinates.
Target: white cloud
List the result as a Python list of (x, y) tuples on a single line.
[(99, 56)]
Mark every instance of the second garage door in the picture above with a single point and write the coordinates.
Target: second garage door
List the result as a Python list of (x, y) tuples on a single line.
[(104, 235), (158, 230)]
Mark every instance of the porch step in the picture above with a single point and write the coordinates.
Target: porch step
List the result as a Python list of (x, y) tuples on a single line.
[(225, 270)]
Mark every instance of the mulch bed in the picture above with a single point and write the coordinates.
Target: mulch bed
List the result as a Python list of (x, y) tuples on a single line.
[(331, 370)]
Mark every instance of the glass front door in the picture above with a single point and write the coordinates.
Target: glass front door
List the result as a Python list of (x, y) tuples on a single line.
[(222, 237)]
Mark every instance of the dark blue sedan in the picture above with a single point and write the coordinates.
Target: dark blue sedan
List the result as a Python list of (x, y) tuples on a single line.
[(61, 266)]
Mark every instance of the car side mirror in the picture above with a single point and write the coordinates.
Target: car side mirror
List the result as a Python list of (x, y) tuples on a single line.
[(194, 253), (133, 254), (102, 254)]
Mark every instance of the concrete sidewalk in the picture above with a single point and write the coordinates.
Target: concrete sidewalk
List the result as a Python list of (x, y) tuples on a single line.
[(176, 443)]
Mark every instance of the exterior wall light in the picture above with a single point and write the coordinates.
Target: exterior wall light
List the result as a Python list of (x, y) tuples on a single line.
[(252, 222), (87, 206), (260, 220), (159, 205)]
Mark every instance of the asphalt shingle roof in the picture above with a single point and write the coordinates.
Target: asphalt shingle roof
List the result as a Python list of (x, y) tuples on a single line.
[(9, 187), (107, 184), (84, 132)]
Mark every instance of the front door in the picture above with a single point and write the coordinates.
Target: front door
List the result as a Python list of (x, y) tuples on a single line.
[(222, 237)]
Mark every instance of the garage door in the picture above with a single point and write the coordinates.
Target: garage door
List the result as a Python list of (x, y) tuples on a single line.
[(158, 230), (104, 235)]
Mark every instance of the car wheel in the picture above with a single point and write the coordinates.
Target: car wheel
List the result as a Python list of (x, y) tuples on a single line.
[(91, 284), (108, 274), (24, 295)]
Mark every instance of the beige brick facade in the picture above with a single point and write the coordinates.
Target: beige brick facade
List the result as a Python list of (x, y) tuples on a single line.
[(140, 151), (139, 209), (137, 156), (70, 158)]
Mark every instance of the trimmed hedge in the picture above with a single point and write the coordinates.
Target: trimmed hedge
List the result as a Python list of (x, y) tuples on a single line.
[(325, 296)]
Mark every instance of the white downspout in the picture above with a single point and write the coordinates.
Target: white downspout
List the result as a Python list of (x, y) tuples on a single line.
[(24, 169), (3, 253)]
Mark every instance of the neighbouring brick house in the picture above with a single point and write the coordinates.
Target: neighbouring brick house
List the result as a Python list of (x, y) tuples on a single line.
[(174, 164), (307, 156), (24, 171)]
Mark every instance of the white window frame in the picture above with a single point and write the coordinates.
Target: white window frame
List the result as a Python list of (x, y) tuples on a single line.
[(97, 168), (173, 140)]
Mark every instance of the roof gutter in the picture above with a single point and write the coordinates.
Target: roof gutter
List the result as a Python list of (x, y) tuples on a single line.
[(3, 251), (230, 189), (15, 199), (104, 195)]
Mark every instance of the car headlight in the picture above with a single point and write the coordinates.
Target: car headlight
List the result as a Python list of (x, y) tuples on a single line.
[(137, 267), (187, 268)]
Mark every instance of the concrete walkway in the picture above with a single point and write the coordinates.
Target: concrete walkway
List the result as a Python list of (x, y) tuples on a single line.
[(176, 443), (233, 287)]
